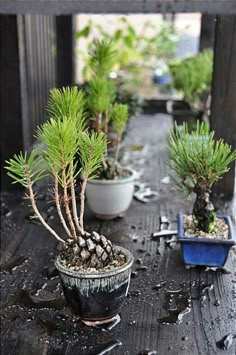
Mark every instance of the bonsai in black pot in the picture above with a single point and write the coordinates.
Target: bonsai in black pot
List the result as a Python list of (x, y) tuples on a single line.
[(94, 273), (191, 78), (199, 161)]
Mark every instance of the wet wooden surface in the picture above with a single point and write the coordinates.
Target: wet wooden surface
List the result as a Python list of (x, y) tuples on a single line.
[(198, 304)]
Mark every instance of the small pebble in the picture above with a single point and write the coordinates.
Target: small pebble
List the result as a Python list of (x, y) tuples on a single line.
[(184, 338), (134, 274)]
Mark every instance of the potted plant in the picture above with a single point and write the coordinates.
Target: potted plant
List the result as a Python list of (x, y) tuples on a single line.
[(191, 77), (94, 274), (199, 161), (111, 193)]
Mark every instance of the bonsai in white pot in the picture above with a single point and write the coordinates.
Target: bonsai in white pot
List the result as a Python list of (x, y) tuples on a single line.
[(111, 193), (90, 267), (199, 161)]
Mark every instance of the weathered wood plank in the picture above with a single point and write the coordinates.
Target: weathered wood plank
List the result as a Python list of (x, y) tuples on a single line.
[(30, 330), (65, 51), (60, 7), (207, 34), (10, 93), (223, 116)]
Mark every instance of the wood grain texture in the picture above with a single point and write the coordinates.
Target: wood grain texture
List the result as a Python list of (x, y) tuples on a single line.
[(10, 95), (60, 7), (223, 116), (23, 327)]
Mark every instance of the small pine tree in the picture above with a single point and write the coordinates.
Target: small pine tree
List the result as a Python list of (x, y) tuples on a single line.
[(101, 96), (199, 161), (62, 138)]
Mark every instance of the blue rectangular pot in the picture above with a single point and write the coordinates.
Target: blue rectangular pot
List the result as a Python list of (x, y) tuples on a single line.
[(205, 251)]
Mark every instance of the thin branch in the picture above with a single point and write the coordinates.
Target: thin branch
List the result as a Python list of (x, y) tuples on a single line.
[(38, 214), (58, 206), (66, 204), (106, 122), (117, 149), (82, 199), (98, 121), (74, 206)]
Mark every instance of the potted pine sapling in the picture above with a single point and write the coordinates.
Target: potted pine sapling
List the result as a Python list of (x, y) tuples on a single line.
[(191, 78), (199, 161), (110, 195), (94, 274)]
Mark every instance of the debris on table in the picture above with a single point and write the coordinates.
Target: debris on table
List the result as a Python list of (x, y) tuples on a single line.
[(165, 180), (144, 193), (164, 233), (164, 223)]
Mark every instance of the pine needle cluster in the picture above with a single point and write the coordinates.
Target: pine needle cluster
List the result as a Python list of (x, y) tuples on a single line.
[(62, 137), (199, 161), (197, 157), (102, 92), (102, 57)]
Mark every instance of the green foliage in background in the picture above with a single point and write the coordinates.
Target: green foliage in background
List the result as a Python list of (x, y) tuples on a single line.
[(135, 49), (192, 76)]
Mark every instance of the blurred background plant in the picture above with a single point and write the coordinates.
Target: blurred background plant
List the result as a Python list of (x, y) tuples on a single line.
[(139, 51), (192, 77)]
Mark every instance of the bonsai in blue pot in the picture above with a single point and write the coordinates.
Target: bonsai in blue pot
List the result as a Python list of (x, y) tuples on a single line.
[(199, 161)]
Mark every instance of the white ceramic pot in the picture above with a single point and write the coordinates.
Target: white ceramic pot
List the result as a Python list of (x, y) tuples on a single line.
[(110, 198)]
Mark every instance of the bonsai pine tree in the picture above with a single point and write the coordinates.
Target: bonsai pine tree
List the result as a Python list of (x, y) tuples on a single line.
[(192, 77), (62, 137), (101, 96), (199, 161), (101, 89)]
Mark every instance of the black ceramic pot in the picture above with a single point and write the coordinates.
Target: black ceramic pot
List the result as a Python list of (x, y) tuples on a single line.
[(182, 112), (96, 296)]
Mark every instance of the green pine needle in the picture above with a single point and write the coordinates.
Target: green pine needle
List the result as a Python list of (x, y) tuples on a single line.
[(119, 114), (25, 165), (68, 102), (101, 94), (92, 150), (197, 158), (102, 57), (60, 140)]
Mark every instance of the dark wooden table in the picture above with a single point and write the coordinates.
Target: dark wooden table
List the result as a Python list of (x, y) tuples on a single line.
[(169, 309)]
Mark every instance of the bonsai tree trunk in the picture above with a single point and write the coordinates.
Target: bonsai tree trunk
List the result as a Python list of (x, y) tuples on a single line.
[(203, 209)]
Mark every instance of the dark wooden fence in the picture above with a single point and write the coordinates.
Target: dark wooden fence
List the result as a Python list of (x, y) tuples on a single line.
[(37, 48), (33, 59)]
